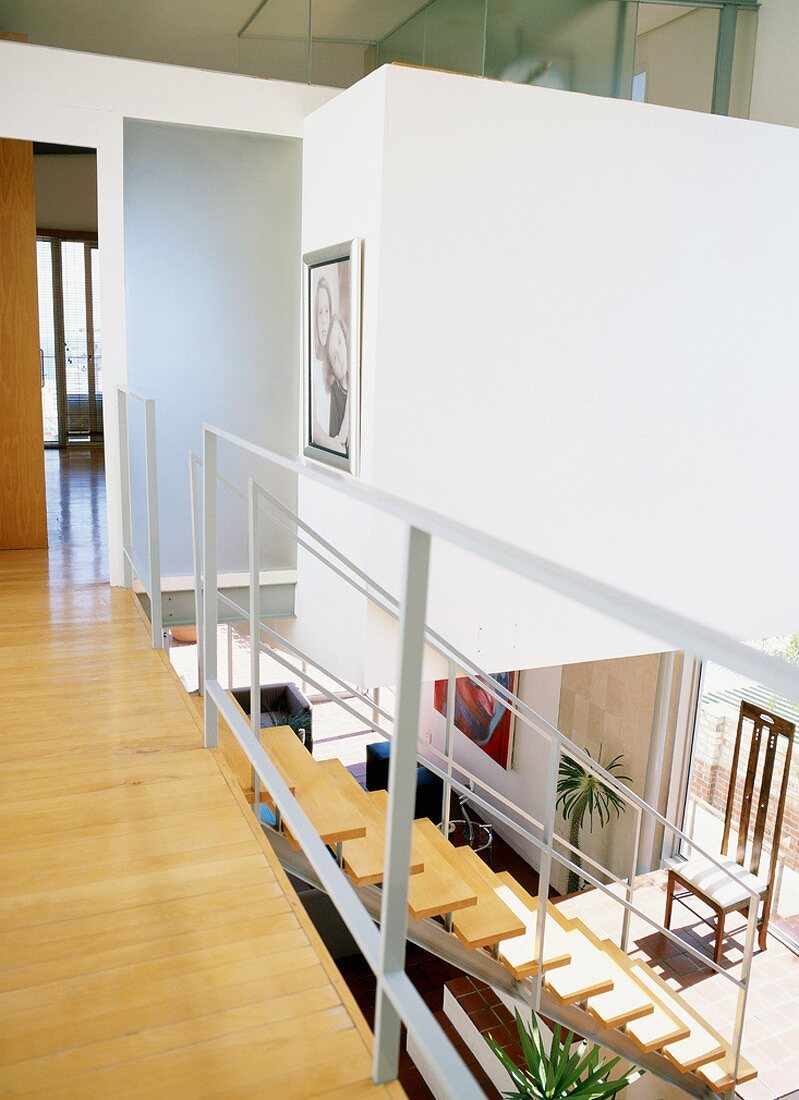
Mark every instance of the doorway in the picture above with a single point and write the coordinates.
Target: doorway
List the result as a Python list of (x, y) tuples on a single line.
[(70, 340), (70, 361)]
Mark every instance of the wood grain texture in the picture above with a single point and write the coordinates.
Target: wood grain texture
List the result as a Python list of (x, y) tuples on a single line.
[(150, 943), (23, 512)]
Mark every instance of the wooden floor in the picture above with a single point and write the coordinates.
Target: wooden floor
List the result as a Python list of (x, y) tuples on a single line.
[(150, 944)]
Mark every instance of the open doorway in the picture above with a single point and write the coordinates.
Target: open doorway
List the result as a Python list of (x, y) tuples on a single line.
[(70, 359)]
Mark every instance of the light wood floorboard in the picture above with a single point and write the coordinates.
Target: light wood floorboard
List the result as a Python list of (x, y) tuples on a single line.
[(151, 944)]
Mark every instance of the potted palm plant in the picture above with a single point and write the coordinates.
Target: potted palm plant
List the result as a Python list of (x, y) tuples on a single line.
[(567, 1069), (583, 795)]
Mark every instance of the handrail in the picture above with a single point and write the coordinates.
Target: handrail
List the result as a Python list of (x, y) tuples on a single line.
[(371, 590), (150, 573), (422, 525), (642, 615)]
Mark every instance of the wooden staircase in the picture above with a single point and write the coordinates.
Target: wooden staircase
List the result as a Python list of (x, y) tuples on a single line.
[(488, 911)]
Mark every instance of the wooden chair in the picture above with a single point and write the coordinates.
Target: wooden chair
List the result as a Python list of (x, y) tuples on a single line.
[(722, 893)]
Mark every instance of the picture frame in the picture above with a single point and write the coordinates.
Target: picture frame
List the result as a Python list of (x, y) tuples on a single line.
[(480, 717), (331, 361)]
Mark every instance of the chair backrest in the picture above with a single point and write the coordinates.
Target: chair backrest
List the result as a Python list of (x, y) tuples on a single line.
[(767, 730)]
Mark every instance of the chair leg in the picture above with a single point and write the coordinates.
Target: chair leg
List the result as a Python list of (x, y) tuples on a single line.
[(719, 939), (669, 901), (762, 942)]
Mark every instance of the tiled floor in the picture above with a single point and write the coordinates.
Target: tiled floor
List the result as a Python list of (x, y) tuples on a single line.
[(771, 1037), (429, 974)]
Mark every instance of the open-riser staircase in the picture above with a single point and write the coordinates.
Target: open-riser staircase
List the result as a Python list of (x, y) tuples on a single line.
[(489, 931)]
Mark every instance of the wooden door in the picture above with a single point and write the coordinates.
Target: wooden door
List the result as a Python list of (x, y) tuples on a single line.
[(23, 510)]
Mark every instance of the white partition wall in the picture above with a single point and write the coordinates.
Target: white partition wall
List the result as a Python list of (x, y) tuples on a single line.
[(83, 99), (579, 332)]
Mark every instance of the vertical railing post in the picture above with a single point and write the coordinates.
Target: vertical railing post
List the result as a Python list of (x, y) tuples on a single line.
[(653, 780), (211, 600), (401, 798), (448, 748), (255, 634), (198, 580), (743, 990), (545, 870), (153, 531), (630, 892), (124, 473)]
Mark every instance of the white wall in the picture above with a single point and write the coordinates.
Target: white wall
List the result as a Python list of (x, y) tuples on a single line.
[(66, 191), (342, 195), (212, 228), (525, 783), (103, 92), (576, 347)]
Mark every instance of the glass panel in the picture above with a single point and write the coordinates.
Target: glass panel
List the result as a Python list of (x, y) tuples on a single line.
[(73, 275), (44, 264), (98, 341), (676, 48), (340, 64), (714, 741), (405, 44), (453, 35), (582, 45)]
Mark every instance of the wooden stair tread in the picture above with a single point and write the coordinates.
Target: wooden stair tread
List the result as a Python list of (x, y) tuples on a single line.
[(626, 1000), (440, 888), (721, 1080), (704, 1046), (364, 858), (332, 814), (658, 1027), (490, 920), (518, 954)]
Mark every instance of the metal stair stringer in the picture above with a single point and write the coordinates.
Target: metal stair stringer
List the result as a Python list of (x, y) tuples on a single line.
[(433, 937)]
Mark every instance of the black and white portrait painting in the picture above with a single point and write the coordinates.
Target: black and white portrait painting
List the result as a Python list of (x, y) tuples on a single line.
[(332, 359)]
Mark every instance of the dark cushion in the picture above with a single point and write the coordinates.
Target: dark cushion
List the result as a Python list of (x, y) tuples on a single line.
[(429, 786), (377, 757)]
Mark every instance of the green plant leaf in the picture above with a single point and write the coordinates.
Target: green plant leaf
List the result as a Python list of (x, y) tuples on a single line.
[(564, 1072)]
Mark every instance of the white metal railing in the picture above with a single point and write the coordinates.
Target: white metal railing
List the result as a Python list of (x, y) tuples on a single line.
[(149, 572), (421, 526)]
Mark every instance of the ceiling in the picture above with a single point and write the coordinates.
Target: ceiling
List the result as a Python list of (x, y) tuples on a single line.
[(244, 36)]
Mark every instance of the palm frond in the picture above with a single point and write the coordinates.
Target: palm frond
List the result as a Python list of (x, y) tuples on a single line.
[(564, 1072)]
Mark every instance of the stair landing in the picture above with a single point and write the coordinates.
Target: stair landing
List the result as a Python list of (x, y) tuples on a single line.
[(151, 944)]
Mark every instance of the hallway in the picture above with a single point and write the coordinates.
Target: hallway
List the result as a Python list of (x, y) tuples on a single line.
[(77, 524), (151, 943)]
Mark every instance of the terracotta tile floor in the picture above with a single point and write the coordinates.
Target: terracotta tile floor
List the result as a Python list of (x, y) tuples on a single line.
[(771, 1036), (429, 974)]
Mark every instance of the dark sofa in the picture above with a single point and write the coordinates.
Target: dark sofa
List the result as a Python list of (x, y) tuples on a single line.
[(281, 705)]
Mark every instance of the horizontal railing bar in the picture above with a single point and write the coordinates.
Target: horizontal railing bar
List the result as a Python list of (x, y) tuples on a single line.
[(487, 786), (325, 691), (570, 866), (371, 590), (135, 393), (416, 1015), (643, 615), (337, 885), (139, 569), (349, 688)]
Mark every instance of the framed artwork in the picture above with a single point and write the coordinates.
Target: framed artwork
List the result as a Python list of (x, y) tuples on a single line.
[(332, 355), (480, 717)]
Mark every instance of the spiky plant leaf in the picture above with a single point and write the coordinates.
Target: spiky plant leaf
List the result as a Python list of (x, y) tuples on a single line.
[(563, 1071)]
